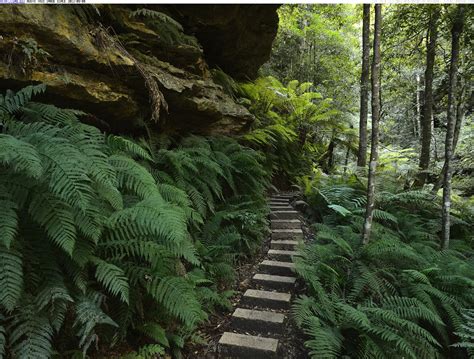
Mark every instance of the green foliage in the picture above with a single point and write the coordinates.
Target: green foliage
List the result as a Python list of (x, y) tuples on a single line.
[(295, 126), (156, 15), (397, 296), (114, 235), (466, 332), (170, 31), (318, 43)]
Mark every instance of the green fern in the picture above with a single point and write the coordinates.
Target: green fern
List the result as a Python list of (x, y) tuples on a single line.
[(12, 102), (96, 227), (11, 278), (176, 295), (113, 278), (397, 296), (156, 15), (31, 335)]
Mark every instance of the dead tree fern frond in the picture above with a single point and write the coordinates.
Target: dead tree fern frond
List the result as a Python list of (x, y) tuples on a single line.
[(106, 40)]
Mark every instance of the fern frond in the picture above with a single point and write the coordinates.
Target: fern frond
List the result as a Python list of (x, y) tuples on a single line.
[(11, 278), (56, 218), (8, 222), (21, 156), (133, 177), (119, 143), (156, 332), (31, 335), (156, 15), (176, 295), (12, 102), (112, 278), (88, 316)]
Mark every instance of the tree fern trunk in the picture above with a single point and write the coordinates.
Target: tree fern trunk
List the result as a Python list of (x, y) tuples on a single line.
[(364, 88), (451, 114), (375, 126)]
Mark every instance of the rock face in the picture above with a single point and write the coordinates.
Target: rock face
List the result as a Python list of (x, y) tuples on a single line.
[(237, 38), (129, 67)]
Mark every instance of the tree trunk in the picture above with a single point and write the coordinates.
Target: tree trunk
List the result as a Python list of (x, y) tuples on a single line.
[(329, 164), (451, 116), (428, 103), (364, 88), (460, 113), (375, 126), (346, 159), (417, 119), (332, 146)]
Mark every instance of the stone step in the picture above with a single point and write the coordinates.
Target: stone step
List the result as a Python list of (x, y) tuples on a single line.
[(286, 224), (233, 345), (284, 215), (281, 208), (282, 255), (283, 195), (279, 199), (266, 299), (287, 234), (258, 321), (277, 282), (279, 203), (284, 245), (277, 268)]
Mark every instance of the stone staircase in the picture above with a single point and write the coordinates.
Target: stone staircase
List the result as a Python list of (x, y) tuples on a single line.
[(259, 322)]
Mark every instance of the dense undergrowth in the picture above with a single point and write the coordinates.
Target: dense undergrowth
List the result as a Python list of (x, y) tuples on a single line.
[(109, 242), (294, 126), (398, 296)]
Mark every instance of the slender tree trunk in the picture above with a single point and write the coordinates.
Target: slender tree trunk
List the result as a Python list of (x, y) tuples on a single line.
[(460, 113), (364, 88), (332, 146), (417, 119), (451, 116), (348, 153), (346, 159), (375, 126), (329, 157), (427, 114)]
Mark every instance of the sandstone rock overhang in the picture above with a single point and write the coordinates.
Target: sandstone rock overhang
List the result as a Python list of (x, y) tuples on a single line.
[(89, 61)]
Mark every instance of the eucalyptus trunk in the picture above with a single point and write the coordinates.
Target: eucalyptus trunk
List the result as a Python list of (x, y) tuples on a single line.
[(427, 113), (375, 126), (364, 88), (456, 31)]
